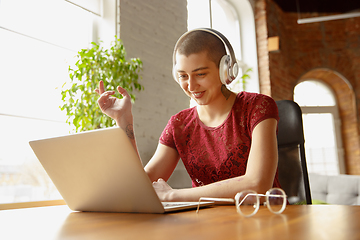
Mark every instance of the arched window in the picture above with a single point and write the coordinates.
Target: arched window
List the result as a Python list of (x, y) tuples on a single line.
[(323, 145)]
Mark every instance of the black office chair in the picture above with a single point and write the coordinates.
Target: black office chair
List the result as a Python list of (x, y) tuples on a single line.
[(293, 174)]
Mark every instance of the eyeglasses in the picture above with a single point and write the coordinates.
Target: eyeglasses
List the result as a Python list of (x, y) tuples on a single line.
[(248, 202)]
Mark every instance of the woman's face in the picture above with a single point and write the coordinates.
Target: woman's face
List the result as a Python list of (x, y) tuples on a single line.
[(199, 77)]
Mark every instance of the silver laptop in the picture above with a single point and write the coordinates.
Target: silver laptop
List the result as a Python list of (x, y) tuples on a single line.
[(100, 171)]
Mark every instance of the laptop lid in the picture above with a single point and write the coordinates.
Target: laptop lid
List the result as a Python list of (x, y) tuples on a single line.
[(98, 170)]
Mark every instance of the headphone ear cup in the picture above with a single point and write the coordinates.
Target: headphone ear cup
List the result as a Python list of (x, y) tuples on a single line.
[(224, 69)]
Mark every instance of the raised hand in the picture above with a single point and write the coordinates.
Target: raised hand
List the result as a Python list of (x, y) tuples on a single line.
[(117, 109)]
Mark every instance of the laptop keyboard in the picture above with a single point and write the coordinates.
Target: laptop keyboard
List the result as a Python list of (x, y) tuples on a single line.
[(173, 204)]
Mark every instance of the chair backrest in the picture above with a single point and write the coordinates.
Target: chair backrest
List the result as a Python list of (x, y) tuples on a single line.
[(293, 174)]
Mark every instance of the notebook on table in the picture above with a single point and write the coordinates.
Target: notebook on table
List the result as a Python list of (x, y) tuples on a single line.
[(99, 171)]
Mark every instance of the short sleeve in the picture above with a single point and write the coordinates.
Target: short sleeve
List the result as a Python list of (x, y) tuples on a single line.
[(167, 137), (263, 107)]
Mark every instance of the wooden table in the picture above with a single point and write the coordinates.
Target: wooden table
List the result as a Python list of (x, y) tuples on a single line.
[(219, 222)]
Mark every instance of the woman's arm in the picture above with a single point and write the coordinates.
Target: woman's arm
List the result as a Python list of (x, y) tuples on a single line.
[(163, 163), (259, 176), (118, 109), (165, 159)]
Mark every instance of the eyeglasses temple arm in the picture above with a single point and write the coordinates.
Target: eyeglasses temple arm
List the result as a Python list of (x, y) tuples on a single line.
[(250, 194), (261, 195), (230, 200)]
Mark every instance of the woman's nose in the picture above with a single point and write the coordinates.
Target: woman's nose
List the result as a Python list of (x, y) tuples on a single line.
[(192, 84)]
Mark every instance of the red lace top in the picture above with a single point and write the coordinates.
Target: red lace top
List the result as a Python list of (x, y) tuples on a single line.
[(211, 154)]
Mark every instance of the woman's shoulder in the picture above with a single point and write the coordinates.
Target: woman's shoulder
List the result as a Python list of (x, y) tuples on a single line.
[(250, 96), (251, 99), (183, 115), (250, 102)]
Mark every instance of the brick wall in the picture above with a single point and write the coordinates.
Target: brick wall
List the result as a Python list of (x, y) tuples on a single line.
[(327, 51), (149, 30), (259, 7)]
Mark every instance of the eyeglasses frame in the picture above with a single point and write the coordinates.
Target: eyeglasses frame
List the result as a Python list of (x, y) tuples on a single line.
[(237, 199)]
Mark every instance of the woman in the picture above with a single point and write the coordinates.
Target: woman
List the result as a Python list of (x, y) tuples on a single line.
[(227, 142)]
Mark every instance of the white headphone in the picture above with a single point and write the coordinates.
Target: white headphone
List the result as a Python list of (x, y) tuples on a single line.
[(228, 69)]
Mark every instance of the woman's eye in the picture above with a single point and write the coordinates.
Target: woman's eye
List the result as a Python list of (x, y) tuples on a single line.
[(182, 77)]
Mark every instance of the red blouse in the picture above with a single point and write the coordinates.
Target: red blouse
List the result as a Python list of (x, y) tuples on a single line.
[(211, 154)]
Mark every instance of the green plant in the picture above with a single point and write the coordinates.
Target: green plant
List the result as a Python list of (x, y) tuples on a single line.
[(95, 64), (240, 83), (245, 77)]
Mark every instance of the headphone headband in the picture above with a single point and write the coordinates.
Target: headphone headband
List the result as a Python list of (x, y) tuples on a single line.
[(230, 61)]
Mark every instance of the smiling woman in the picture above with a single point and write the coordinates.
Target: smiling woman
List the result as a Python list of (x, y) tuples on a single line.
[(39, 40)]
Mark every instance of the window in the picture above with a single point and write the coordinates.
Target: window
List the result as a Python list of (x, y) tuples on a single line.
[(321, 121), (39, 40)]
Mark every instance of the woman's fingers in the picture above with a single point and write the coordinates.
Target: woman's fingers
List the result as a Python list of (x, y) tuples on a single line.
[(101, 87), (123, 92), (104, 100), (101, 91)]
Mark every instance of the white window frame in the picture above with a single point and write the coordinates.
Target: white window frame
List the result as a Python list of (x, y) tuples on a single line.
[(249, 54), (333, 110)]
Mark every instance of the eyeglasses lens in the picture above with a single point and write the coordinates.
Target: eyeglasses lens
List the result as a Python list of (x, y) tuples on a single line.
[(276, 200), (248, 202)]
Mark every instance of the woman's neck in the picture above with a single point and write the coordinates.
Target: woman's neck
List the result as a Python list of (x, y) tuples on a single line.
[(215, 114)]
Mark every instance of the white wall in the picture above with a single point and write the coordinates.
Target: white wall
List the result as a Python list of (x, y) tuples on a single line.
[(149, 30)]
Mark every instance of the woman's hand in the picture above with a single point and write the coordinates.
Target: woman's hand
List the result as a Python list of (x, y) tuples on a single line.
[(117, 109), (163, 190)]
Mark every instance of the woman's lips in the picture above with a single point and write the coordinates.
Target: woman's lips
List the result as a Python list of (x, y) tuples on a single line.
[(198, 94)]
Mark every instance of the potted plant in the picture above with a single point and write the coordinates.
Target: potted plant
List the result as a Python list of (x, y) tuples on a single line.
[(95, 64)]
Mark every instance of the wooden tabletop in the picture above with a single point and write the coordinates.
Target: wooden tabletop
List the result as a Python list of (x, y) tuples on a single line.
[(219, 222)]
